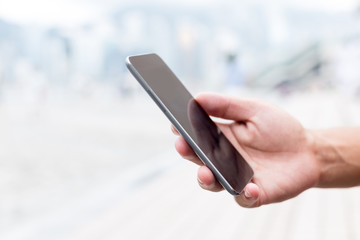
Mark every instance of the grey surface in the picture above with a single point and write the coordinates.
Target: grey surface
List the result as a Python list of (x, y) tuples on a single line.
[(88, 169)]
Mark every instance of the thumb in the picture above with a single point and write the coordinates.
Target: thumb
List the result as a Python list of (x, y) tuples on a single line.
[(250, 197), (227, 107)]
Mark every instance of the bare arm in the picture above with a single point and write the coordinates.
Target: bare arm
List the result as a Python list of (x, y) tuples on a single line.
[(337, 152)]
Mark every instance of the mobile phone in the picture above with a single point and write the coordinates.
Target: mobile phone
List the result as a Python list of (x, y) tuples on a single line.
[(191, 121)]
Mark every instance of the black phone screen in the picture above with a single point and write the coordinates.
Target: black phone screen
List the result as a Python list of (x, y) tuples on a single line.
[(201, 132)]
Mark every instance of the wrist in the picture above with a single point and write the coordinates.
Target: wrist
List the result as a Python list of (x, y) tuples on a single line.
[(330, 156), (325, 157)]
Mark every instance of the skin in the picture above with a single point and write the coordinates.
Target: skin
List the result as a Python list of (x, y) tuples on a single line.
[(286, 158)]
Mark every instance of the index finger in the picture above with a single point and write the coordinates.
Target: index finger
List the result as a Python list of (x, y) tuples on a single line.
[(227, 107)]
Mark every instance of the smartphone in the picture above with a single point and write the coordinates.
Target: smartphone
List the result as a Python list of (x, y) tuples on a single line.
[(192, 122)]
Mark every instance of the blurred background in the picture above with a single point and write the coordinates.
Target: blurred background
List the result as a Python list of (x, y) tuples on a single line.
[(85, 154)]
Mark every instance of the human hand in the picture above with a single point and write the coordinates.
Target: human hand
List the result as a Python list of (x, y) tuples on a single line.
[(274, 143)]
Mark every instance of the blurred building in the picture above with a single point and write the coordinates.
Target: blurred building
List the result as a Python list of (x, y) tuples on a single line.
[(281, 45)]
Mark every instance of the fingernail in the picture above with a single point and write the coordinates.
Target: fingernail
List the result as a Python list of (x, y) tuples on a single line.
[(201, 183), (205, 186), (248, 194)]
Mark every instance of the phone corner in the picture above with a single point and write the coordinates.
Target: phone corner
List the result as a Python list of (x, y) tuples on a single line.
[(127, 61), (233, 192)]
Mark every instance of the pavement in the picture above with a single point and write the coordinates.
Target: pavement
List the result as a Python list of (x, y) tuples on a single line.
[(94, 169)]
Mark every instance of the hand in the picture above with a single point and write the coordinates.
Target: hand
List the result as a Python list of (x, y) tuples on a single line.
[(274, 143)]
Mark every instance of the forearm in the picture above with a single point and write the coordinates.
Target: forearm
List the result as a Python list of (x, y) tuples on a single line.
[(337, 154)]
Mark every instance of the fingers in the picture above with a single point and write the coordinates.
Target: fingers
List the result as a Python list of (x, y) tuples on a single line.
[(227, 107), (250, 197), (183, 148), (207, 180)]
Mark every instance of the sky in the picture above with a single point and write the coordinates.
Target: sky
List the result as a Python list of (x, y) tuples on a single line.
[(77, 12)]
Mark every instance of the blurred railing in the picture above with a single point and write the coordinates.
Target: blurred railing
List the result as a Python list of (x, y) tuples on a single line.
[(297, 70)]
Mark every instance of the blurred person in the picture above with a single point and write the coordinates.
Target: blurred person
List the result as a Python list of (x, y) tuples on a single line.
[(287, 158)]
